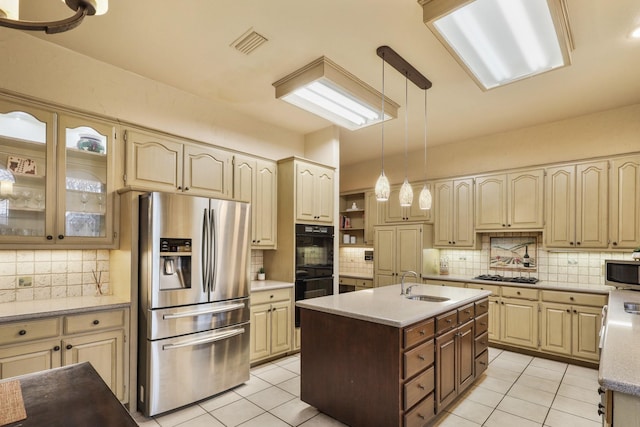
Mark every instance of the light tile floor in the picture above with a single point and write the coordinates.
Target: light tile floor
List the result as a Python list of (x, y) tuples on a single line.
[(516, 390)]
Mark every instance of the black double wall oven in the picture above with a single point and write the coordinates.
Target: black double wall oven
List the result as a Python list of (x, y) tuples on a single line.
[(314, 262)]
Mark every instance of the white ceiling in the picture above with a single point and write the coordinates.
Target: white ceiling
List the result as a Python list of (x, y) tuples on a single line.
[(187, 45)]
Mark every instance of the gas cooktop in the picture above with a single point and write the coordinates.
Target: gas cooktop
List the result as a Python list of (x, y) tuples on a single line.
[(498, 278)]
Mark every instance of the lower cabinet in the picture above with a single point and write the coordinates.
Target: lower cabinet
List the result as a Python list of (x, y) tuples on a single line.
[(455, 359), (96, 337), (271, 323)]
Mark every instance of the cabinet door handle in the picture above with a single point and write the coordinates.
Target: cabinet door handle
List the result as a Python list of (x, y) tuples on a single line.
[(449, 320), (568, 311), (420, 416), (96, 322), (22, 332), (482, 305), (422, 332), (578, 243), (49, 237), (482, 363), (518, 292), (186, 188), (467, 312), (571, 298), (179, 187), (60, 236), (600, 390), (69, 347), (56, 348), (483, 324), (421, 357), (420, 386)]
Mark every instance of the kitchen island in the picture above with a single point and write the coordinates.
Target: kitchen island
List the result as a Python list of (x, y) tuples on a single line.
[(377, 358)]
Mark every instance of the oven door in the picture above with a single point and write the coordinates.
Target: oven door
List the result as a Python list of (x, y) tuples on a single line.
[(312, 288)]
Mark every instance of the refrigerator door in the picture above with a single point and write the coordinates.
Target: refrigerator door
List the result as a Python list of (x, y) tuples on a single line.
[(230, 249), (172, 263)]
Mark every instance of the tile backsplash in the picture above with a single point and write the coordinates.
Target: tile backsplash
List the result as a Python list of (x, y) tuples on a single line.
[(352, 262), (46, 274)]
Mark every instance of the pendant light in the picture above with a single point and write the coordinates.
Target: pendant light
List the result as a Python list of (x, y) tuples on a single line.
[(425, 195), (406, 192), (382, 188)]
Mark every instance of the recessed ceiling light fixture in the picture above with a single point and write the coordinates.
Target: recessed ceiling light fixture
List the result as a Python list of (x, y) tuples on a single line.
[(329, 91), (9, 16), (635, 34), (501, 41)]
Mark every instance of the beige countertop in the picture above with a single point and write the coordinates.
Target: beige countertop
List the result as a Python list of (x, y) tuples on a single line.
[(386, 306), (24, 310), (556, 286), (267, 285), (620, 355)]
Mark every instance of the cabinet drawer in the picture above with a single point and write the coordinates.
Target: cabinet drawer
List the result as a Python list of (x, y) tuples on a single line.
[(93, 321), (465, 313), (482, 324), (522, 293), (17, 332), (265, 297), (443, 283), (365, 283), (419, 358), (482, 342), (446, 321), (574, 298), (482, 361), (482, 306), (417, 333), (347, 281), (418, 388), (421, 414), (495, 289)]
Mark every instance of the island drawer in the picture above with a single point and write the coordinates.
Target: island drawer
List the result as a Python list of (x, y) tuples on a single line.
[(482, 323), (93, 321), (417, 333), (482, 361), (17, 332), (418, 388), (419, 358), (482, 306), (574, 298), (266, 297), (446, 321), (421, 413), (482, 342), (495, 289), (465, 313), (523, 293)]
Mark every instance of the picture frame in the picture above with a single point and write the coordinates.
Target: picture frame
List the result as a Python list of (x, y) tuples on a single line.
[(514, 253), (22, 166)]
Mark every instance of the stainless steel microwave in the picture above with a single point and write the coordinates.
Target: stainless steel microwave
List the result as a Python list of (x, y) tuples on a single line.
[(622, 274)]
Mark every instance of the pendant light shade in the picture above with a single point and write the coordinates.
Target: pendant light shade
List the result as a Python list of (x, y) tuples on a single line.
[(406, 191), (382, 188), (424, 200), (10, 11)]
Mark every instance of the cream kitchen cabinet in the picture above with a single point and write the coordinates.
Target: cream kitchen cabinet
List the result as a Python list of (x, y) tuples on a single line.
[(519, 317), (570, 324), (373, 215), (96, 337), (493, 309), (63, 190), (271, 323), (394, 213), (624, 206), (577, 206), (453, 219), (161, 163), (512, 201), (314, 193), (255, 181), (353, 214), (398, 248)]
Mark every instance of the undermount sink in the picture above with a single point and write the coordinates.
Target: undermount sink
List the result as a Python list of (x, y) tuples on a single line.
[(632, 307), (429, 298)]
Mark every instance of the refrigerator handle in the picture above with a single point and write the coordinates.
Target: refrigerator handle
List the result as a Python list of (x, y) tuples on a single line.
[(214, 248), (204, 251), (213, 338)]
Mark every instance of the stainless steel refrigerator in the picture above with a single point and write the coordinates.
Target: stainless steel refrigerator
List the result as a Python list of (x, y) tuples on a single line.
[(194, 299)]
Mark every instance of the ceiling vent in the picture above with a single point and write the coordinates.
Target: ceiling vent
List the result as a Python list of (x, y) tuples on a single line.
[(249, 41)]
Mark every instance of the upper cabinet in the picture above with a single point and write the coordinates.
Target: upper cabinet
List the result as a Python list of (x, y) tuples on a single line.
[(255, 181), (625, 202), (160, 163), (394, 213), (314, 193), (512, 201), (576, 206), (453, 200), (63, 189)]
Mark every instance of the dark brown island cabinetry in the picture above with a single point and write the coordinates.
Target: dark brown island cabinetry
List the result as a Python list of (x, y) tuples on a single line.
[(364, 373)]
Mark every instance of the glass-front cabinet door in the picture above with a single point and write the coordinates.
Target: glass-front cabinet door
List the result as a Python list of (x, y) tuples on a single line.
[(84, 165), (27, 193)]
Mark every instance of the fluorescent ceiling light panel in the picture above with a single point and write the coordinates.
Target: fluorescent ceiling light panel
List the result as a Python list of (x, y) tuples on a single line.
[(502, 41), (329, 91)]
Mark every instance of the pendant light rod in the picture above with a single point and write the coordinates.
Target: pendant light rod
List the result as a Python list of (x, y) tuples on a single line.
[(392, 58)]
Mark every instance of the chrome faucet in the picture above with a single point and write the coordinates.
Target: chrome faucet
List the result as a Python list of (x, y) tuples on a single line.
[(402, 292)]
